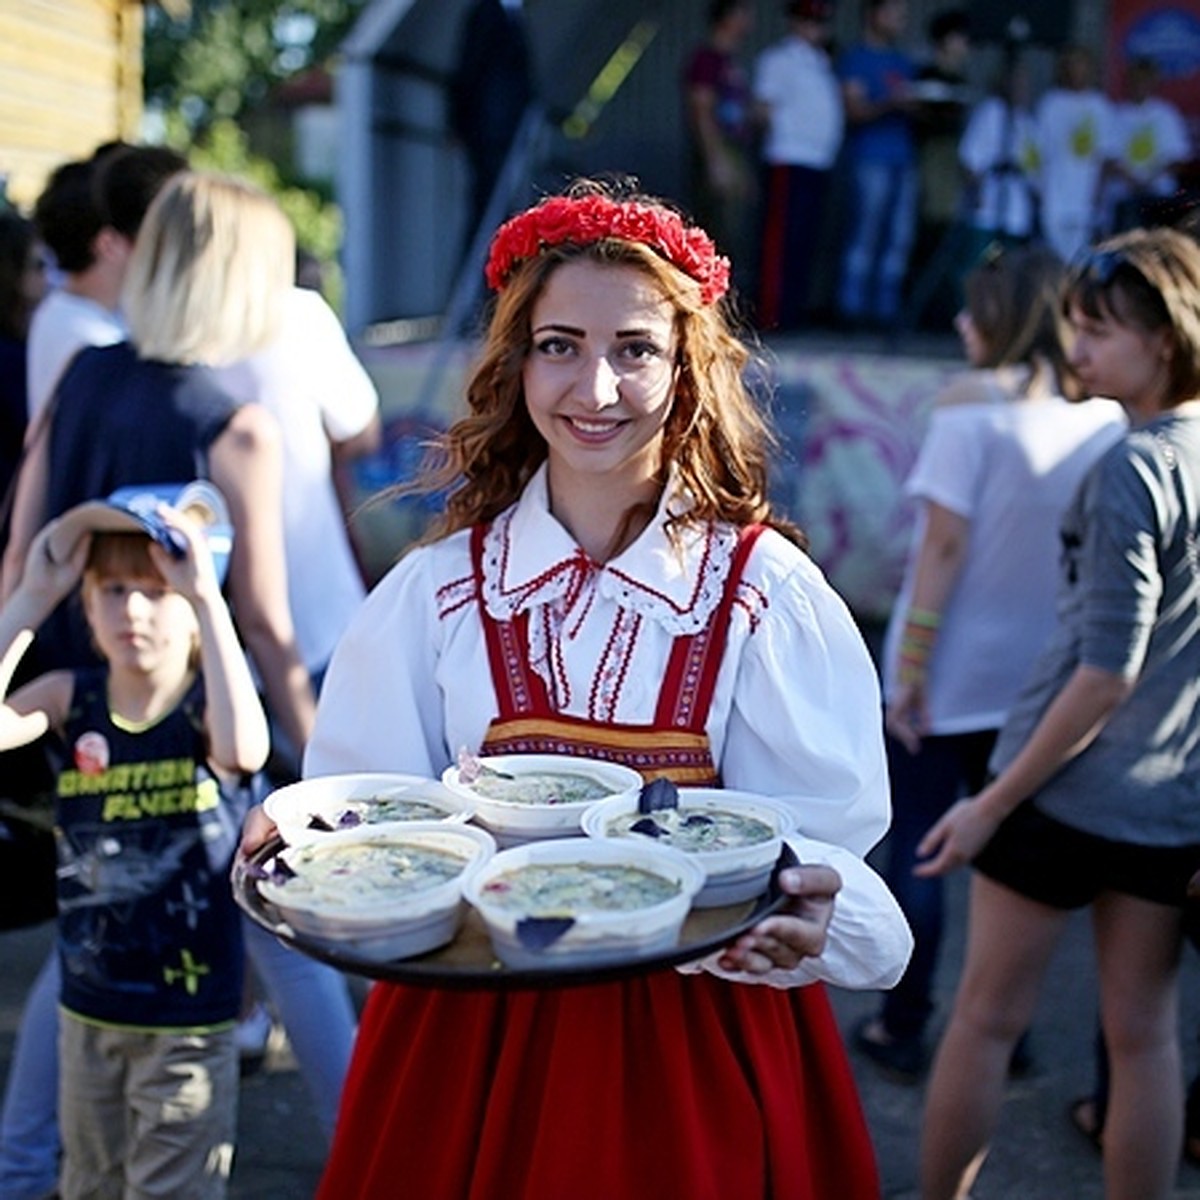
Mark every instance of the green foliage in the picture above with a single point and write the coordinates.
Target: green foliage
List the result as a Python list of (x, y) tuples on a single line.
[(318, 223), (224, 57), (208, 71)]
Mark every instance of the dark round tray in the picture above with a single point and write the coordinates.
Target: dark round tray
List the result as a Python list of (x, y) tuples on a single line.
[(469, 962)]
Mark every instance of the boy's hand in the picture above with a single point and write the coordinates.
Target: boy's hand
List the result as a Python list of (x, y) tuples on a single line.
[(46, 578), (191, 573)]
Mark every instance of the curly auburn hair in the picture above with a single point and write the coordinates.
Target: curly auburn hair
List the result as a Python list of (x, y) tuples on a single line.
[(716, 436)]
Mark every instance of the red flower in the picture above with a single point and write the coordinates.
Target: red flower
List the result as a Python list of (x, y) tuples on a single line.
[(588, 219)]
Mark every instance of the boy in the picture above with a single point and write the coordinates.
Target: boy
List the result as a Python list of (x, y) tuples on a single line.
[(148, 935)]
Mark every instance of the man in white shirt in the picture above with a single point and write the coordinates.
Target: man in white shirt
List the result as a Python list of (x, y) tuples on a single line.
[(1150, 143), (799, 100), (89, 216), (82, 311), (1074, 129)]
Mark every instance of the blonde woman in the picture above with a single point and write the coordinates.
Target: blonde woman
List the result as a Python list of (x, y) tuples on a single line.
[(206, 279)]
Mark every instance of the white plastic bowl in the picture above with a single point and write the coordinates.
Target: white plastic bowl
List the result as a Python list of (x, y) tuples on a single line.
[(298, 809), (594, 937), (732, 874), (382, 927), (514, 823)]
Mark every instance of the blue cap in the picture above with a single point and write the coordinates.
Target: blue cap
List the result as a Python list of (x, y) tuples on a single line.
[(135, 510)]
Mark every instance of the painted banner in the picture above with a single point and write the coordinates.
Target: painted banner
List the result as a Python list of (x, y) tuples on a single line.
[(849, 427), (1168, 33)]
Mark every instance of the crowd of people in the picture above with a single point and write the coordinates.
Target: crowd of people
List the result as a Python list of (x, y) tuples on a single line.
[(926, 166), (175, 346), (608, 575)]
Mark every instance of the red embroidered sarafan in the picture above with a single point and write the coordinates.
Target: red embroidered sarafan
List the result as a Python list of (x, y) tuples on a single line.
[(583, 220), (663, 1084)]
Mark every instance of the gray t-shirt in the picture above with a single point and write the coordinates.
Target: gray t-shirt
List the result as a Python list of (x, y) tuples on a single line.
[(1129, 603)]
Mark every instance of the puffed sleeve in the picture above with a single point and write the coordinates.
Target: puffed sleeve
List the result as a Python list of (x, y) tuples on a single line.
[(379, 709), (806, 726)]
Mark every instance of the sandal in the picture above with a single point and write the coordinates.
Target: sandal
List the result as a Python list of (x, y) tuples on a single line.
[(1082, 1114), (904, 1060), (1191, 1149)]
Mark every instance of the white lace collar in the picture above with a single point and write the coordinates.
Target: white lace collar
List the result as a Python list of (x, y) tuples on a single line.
[(530, 560)]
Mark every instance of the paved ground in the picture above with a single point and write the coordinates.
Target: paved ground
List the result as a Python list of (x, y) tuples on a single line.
[(1037, 1156)]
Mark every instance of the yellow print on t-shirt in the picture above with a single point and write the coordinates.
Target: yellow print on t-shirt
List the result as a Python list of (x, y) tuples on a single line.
[(1141, 150), (133, 791), (163, 802), (1083, 138)]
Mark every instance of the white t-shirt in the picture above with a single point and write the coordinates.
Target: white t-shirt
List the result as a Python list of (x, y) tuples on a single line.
[(795, 714), (1147, 139), (317, 389), (796, 81), (991, 139), (1010, 468), (62, 325), (1075, 131)]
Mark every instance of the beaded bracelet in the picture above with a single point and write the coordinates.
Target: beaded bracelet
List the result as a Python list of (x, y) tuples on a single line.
[(916, 644), (926, 618)]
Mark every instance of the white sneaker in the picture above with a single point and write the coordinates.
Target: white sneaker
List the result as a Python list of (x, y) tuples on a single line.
[(250, 1036)]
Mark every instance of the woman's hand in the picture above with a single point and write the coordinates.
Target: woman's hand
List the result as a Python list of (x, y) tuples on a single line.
[(907, 715), (795, 933), (257, 830), (956, 838)]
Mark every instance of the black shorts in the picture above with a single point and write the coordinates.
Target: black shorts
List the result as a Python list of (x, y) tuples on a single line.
[(1045, 860)]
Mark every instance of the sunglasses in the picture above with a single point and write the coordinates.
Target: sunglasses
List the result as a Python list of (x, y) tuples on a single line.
[(1101, 267), (992, 255)]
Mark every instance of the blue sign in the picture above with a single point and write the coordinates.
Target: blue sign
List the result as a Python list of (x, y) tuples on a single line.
[(1169, 36)]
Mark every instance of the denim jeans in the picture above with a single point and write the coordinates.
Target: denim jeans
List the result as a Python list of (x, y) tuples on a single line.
[(29, 1123), (924, 786), (311, 998), (879, 240)]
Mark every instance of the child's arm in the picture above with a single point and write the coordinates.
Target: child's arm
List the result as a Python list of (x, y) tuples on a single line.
[(39, 705), (238, 736)]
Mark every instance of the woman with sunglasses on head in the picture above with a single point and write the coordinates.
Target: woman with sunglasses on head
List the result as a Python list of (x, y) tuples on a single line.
[(607, 511), (1003, 454), (1094, 799)]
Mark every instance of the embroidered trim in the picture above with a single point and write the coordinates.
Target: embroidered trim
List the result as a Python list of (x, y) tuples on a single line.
[(454, 595), (689, 684), (571, 579), (513, 665), (716, 554), (683, 757), (753, 602), (614, 666)]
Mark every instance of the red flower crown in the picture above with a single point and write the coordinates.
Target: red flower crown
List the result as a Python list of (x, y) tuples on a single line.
[(585, 219)]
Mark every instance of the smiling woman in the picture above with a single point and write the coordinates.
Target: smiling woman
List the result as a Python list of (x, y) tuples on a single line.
[(609, 580), (598, 383)]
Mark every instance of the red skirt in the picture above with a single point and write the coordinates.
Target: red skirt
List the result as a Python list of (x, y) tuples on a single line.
[(662, 1085)]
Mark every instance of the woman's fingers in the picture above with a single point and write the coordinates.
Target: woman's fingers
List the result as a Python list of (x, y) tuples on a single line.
[(257, 830), (798, 932)]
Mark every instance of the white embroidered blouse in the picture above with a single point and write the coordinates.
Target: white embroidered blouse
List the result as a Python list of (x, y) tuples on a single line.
[(796, 712)]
